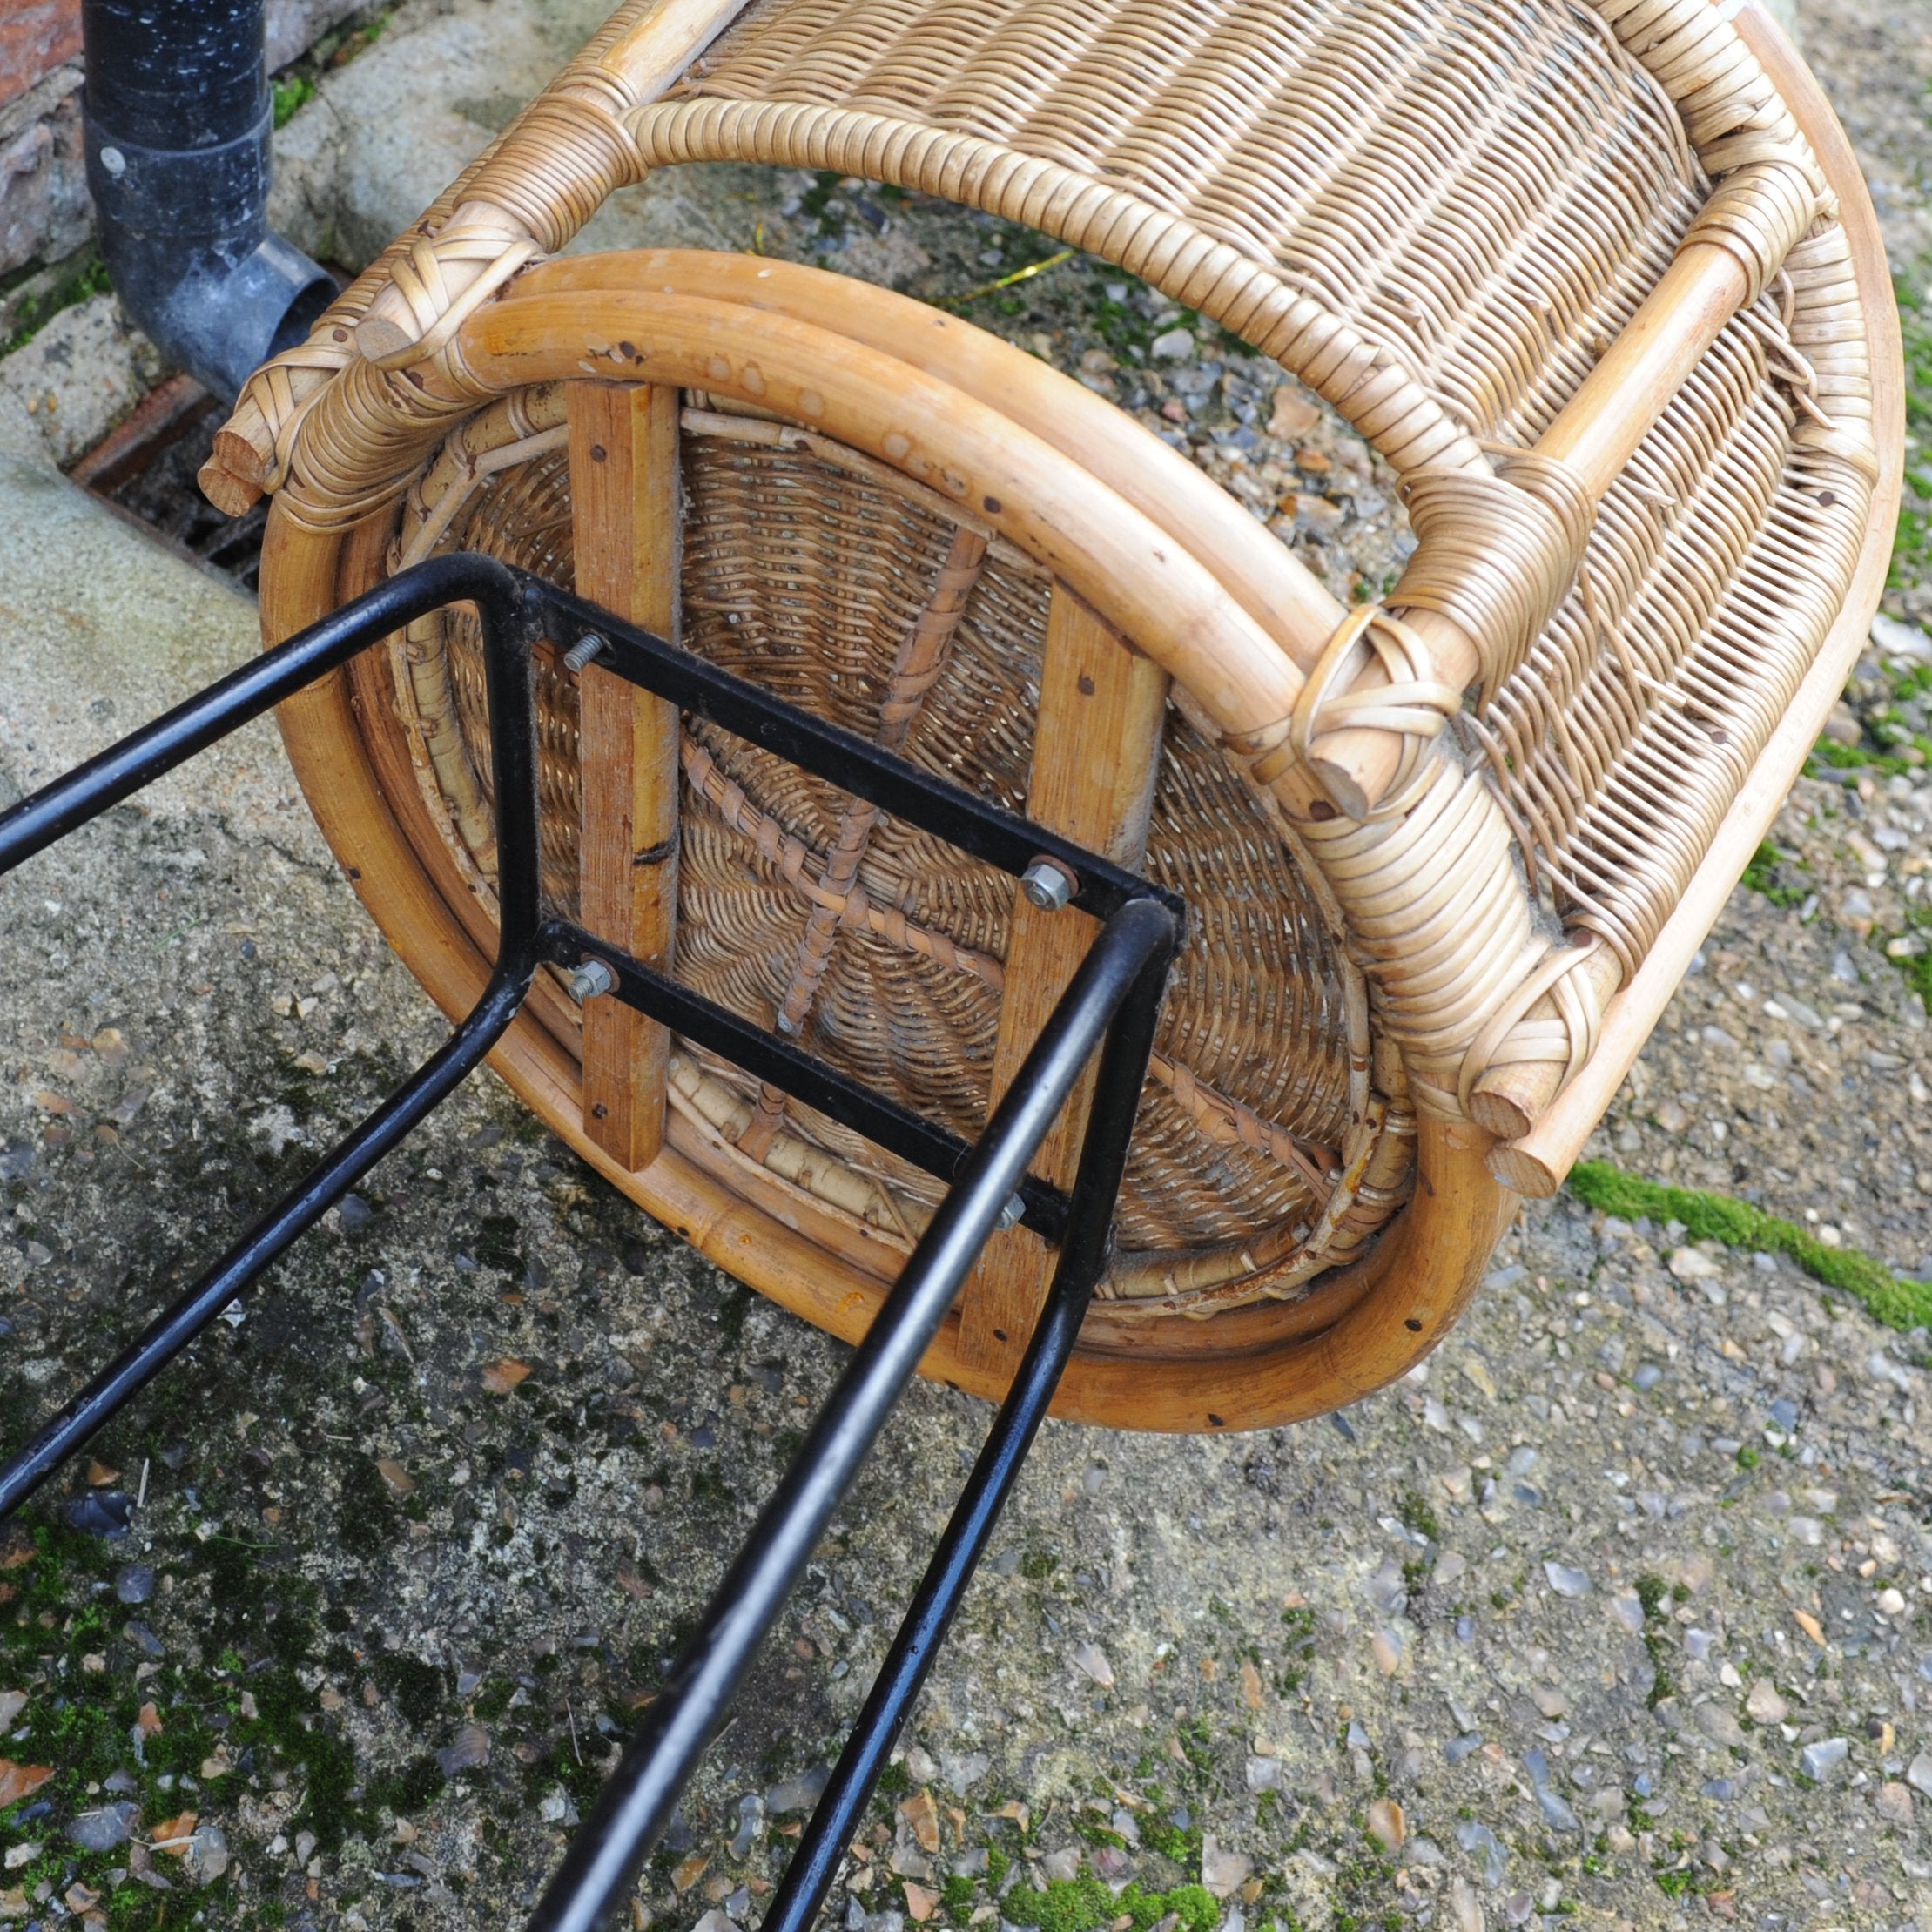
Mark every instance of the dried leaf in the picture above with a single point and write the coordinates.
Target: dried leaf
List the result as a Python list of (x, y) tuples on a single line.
[(150, 1720), (1811, 1627), (923, 1815), (687, 1875), (174, 1835), (1250, 1686), (921, 1903), (502, 1376)]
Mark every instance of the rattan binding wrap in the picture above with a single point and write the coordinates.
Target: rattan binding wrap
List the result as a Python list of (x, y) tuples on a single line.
[(1633, 543)]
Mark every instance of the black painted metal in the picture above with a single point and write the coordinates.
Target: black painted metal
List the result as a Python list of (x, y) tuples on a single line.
[(179, 120), (850, 1102), (36, 821), (1115, 997), (1083, 1261), (637, 1801), (853, 763)]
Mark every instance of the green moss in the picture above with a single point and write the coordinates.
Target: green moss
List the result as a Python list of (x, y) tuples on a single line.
[(416, 1688), (408, 1789), (1178, 1846), (1413, 1508), (1762, 876), (85, 277), (293, 92), (1084, 1904), (367, 1521), (1651, 1593), (1901, 1305)]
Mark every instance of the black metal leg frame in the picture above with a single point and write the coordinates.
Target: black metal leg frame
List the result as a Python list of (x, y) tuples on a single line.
[(1111, 1006)]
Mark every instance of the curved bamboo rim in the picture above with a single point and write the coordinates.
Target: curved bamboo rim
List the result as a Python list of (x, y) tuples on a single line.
[(1261, 1366)]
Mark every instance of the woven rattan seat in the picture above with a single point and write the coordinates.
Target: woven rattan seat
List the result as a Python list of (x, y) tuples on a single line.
[(1599, 282)]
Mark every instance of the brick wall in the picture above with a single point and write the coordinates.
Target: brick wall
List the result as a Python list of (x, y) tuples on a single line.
[(36, 37)]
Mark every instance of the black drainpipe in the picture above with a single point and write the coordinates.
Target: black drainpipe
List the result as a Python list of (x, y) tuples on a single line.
[(179, 119)]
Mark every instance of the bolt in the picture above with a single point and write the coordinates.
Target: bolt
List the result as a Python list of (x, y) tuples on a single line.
[(1012, 1213), (1049, 884), (589, 980), (587, 649)]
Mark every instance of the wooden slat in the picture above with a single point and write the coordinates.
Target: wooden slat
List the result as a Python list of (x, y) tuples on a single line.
[(1097, 749), (624, 523)]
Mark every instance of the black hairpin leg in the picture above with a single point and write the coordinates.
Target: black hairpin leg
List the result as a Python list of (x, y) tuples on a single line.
[(1111, 1007)]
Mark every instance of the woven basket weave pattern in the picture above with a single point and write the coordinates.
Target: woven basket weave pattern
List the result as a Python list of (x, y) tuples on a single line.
[(805, 577)]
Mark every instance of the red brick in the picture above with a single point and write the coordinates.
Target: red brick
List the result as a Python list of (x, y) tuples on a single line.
[(36, 37)]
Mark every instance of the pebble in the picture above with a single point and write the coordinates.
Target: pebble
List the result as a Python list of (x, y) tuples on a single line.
[(1894, 1803), (1458, 1748), (102, 1830), (143, 1639), (799, 1793), (467, 1749), (1224, 1872), (1816, 1760), (1474, 1836), (1175, 344), (1919, 1773), (208, 1852), (102, 1513), (133, 1583), (1719, 1724), (1091, 1659), (961, 1770), (1764, 1703), (1388, 1823), (1565, 1581), (1557, 1810)]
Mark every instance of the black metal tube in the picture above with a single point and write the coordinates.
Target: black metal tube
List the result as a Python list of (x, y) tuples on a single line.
[(1082, 1260), (179, 119), (258, 686), (245, 1264), (104, 781), (603, 1861), (768, 1057)]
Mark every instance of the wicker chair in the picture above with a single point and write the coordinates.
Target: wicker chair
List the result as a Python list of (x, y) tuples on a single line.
[(1598, 281)]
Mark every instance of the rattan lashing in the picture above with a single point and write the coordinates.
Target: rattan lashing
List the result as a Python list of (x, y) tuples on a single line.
[(1442, 219)]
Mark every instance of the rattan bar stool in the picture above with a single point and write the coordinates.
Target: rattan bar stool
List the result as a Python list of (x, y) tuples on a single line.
[(1598, 281)]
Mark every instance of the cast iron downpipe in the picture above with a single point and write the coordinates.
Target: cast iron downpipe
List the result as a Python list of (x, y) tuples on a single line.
[(179, 118)]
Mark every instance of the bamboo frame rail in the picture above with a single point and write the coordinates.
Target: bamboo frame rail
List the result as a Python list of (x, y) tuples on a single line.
[(1097, 754), (625, 530)]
